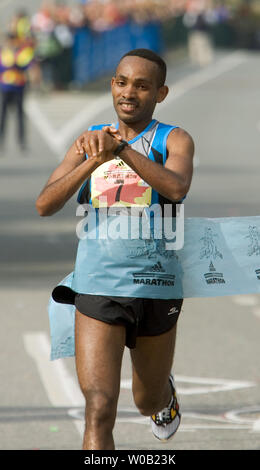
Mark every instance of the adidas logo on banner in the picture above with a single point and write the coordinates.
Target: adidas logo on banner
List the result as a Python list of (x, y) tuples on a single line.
[(154, 276), (157, 268)]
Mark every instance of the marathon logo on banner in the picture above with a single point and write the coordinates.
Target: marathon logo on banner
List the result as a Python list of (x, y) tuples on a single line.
[(213, 277)]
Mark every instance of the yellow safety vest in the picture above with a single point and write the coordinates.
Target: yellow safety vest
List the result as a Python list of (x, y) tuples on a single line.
[(15, 62)]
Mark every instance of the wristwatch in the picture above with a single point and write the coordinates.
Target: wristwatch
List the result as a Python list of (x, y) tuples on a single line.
[(119, 148)]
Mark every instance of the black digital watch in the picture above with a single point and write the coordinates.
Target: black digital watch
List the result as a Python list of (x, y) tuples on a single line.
[(120, 147)]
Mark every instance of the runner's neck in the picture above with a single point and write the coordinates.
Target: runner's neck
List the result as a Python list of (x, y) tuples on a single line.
[(130, 132)]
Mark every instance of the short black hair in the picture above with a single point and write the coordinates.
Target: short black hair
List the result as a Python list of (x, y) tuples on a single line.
[(153, 57)]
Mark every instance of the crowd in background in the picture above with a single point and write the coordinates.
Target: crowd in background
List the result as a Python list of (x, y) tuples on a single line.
[(51, 29), (59, 18), (100, 15)]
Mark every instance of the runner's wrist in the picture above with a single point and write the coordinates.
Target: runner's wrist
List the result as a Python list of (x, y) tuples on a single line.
[(125, 153), (91, 163), (119, 148)]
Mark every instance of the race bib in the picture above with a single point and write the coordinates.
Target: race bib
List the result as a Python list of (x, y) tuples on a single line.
[(115, 184)]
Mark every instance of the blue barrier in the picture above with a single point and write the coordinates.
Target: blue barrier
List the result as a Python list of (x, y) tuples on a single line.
[(96, 54)]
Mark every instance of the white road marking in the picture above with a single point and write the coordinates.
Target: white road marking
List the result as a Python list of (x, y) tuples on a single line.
[(229, 420), (214, 422), (210, 385), (256, 426), (235, 417), (256, 312), (40, 121), (246, 300), (86, 115), (58, 139), (205, 385), (197, 79), (249, 301), (60, 386)]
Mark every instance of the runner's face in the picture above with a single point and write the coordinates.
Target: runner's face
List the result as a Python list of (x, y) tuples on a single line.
[(135, 89)]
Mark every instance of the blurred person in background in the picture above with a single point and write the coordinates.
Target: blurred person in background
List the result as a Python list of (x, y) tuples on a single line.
[(112, 14), (144, 11), (76, 16), (198, 19), (21, 25), (103, 16), (47, 45), (93, 12), (16, 57), (63, 33)]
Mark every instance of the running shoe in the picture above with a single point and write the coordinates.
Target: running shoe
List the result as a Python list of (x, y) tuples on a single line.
[(166, 422)]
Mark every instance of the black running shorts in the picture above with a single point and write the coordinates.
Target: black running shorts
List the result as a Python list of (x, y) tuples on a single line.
[(141, 317)]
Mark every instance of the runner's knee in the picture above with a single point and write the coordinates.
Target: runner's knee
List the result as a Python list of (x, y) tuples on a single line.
[(147, 405), (100, 408), (150, 400)]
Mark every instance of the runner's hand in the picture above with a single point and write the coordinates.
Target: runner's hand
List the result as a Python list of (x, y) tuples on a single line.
[(112, 131), (98, 145)]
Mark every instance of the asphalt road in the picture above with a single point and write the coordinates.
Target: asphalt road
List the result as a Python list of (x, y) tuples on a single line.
[(217, 355)]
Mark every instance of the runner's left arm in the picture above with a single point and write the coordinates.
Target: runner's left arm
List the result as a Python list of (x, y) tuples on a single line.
[(172, 180)]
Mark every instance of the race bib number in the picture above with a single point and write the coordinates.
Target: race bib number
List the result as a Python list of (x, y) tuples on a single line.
[(115, 184)]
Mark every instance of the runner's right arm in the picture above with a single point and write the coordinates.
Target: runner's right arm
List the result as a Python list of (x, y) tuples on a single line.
[(75, 169)]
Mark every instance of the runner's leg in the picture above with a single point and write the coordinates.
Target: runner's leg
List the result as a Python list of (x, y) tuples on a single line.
[(99, 351), (152, 361)]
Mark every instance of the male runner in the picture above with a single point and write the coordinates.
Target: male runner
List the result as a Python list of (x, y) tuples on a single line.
[(159, 156)]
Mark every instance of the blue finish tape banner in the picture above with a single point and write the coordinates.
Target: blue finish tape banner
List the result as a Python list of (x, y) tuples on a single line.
[(219, 257)]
